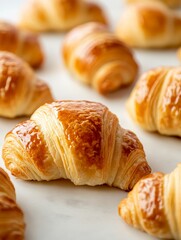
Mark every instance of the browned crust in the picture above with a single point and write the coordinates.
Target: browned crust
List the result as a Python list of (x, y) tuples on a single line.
[(33, 142), (82, 123), (151, 202)]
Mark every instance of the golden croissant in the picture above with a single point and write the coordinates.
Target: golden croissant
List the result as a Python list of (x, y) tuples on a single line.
[(21, 92), (155, 102), (154, 205), (11, 217), (150, 25), (23, 44), (170, 3), (97, 58), (77, 140), (59, 15)]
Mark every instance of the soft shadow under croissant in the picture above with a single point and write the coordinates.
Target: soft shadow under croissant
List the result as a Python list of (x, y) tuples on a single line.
[(77, 140)]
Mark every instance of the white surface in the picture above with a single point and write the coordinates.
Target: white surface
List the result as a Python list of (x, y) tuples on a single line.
[(58, 209)]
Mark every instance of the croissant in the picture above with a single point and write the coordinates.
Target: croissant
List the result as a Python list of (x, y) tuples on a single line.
[(96, 57), (23, 44), (155, 102), (21, 93), (59, 15), (150, 25), (154, 205), (77, 140), (170, 3), (11, 217)]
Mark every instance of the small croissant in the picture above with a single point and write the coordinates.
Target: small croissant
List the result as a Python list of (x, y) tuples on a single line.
[(25, 45), (169, 3), (12, 224), (59, 15), (77, 140), (155, 102), (21, 93), (150, 25), (154, 205), (98, 58)]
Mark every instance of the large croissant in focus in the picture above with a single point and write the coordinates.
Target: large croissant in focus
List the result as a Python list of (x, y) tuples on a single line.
[(21, 93), (77, 140), (155, 102), (150, 25), (11, 217), (25, 45), (170, 3), (59, 15), (154, 205), (96, 57)]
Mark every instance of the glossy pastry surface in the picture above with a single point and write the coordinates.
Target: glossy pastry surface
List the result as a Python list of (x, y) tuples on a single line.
[(77, 140)]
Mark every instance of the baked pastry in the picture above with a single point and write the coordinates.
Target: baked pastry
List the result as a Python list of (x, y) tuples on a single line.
[(170, 3), (154, 205), (11, 217), (150, 25), (21, 92), (77, 140), (96, 57), (25, 45), (59, 15), (155, 102)]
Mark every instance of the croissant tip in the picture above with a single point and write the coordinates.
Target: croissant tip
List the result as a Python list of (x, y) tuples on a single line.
[(123, 211)]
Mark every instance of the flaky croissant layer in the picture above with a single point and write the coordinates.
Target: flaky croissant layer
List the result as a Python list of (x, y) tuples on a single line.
[(77, 140), (154, 205), (155, 102), (21, 93), (97, 58), (11, 217)]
